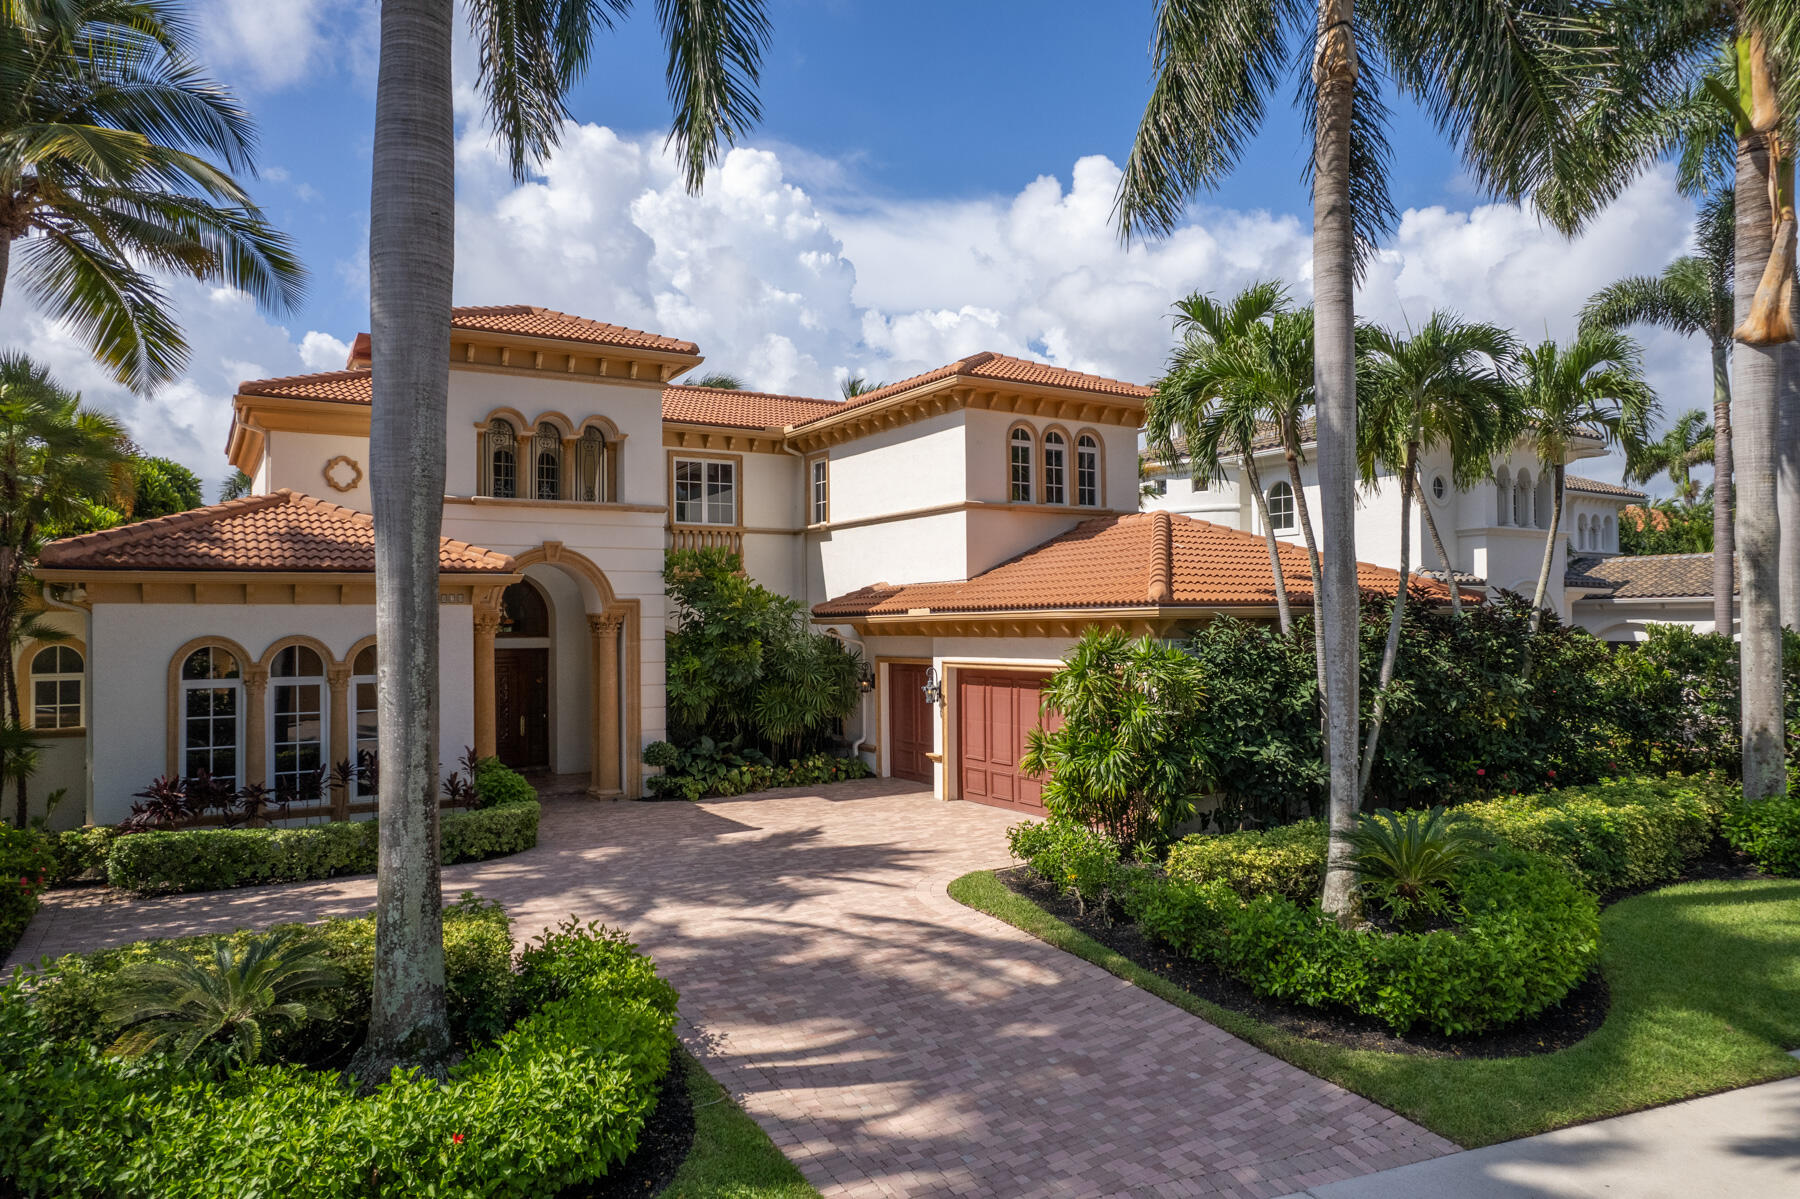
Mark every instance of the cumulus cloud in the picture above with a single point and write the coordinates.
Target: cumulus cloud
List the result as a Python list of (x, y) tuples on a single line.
[(323, 352), (276, 45)]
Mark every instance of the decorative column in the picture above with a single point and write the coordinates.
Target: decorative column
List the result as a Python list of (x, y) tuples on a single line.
[(567, 483), (338, 676), (487, 623), (256, 725), (608, 779)]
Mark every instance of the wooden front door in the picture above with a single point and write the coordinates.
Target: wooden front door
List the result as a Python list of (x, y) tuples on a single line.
[(909, 723), (522, 708), (995, 711)]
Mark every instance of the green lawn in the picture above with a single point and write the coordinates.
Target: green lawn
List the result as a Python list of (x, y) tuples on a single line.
[(732, 1157), (1705, 982)]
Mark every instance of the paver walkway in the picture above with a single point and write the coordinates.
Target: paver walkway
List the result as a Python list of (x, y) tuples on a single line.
[(891, 1041)]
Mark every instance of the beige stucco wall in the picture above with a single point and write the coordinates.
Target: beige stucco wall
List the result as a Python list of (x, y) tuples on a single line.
[(62, 758)]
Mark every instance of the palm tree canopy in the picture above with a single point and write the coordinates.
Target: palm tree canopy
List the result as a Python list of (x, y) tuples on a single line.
[(1686, 444), (1442, 386), (722, 380), (116, 161), (1593, 387), (856, 385), (60, 462), (1690, 297)]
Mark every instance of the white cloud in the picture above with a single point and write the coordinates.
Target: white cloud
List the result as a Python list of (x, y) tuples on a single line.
[(272, 45), (323, 352)]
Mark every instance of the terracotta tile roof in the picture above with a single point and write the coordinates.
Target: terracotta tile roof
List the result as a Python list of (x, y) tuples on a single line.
[(1003, 368), (339, 387), (531, 321), (1127, 561), (1646, 576), (740, 409), (1598, 487), (281, 531)]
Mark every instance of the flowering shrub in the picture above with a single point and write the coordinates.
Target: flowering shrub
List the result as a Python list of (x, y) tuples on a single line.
[(27, 864), (1077, 859)]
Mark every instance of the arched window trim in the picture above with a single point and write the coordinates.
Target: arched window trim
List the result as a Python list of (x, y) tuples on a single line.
[(1609, 540), (1098, 452), (1021, 464), (25, 669), (1280, 500), (547, 475), (1583, 541), (272, 684), (1541, 499), (361, 715), (1503, 496), (179, 687), (1057, 484), (1521, 499), (500, 438)]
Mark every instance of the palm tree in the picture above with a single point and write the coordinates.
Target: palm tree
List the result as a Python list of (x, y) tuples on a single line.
[(1439, 387), (1485, 73), (717, 379), (530, 52), (1685, 444), (236, 486), (1692, 296), (58, 461), (1594, 388), (1208, 403), (116, 161), (856, 385)]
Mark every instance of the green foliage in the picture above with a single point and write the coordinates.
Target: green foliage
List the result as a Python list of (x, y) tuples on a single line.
[(1125, 759), (1768, 830), (745, 667), (27, 866), (590, 1049), (82, 852), (498, 785), (213, 1010), (1070, 854), (705, 770), (162, 487), (1287, 860), (1409, 862), (1667, 527)]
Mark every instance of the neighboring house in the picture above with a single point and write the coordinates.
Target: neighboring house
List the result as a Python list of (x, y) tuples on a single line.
[(1618, 599), (960, 527)]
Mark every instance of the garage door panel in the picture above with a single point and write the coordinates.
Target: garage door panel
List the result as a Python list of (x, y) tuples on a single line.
[(996, 711)]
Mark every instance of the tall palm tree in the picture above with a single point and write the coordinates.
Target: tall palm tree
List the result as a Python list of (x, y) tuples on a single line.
[(1208, 405), (117, 160), (719, 379), (530, 52), (58, 461), (1441, 387), (1694, 296), (1593, 388), (1685, 444), (1484, 71)]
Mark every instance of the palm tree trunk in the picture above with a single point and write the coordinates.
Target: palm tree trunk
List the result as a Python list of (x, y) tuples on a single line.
[(1787, 483), (411, 251), (1754, 385), (1390, 653), (1282, 608), (1303, 514), (1337, 603), (1724, 569), (1556, 512), (1437, 542)]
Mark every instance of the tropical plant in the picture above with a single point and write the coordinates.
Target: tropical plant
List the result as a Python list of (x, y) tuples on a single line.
[(1409, 861), (1687, 442), (529, 53), (1667, 527), (1486, 75), (1126, 760), (118, 163), (162, 487), (236, 486), (1592, 390), (1441, 387), (856, 385), (216, 1010), (58, 461), (717, 379)]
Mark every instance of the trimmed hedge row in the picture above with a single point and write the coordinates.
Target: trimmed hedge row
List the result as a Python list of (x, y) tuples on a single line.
[(558, 1098), (27, 865)]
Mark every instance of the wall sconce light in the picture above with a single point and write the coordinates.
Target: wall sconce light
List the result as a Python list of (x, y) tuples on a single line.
[(934, 691), (865, 678)]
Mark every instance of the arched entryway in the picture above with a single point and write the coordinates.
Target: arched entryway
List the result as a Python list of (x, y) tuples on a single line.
[(556, 673)]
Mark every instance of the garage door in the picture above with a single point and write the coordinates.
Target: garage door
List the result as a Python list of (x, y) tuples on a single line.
[(909, 723), (994, 712)]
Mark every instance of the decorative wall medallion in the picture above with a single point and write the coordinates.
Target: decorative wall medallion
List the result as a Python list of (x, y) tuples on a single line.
[(343, 474)]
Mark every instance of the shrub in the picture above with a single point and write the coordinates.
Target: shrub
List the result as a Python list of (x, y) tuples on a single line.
[(1288, 860), (1071, 855), (708, 770), (27, 865), (1408, 862), (1125, 759), (497, 785), (82, 852), (1768, 830), (556, 1099)]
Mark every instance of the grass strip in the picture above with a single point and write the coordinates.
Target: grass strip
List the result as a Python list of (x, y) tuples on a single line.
[(732, 1157), (1705, 981)]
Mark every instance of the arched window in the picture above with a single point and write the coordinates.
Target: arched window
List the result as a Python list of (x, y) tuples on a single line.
[(523, 612), (364, 692), (501, 459), (1609, 539), (1521, 499), (1582, 539), (212, 715), (546, 457), (1056, 452), (1502, 498), (56, 681), (590, 466), (1282, 518), (1020, 492), (1087, 471), (297, 745), (1541, 501)]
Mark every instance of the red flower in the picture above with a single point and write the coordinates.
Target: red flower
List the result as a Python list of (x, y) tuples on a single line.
[(1480, 771), (456, 1138), (1553, 774)]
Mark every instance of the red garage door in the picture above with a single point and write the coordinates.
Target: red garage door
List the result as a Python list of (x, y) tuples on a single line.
[(995, 709)]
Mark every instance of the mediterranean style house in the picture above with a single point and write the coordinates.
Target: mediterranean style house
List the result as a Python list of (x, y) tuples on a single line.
[(959, 529)]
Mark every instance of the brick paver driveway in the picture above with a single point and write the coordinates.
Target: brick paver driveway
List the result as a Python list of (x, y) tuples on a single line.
[(890, 1040)]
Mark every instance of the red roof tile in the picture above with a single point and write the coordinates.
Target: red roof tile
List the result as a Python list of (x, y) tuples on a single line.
[(740, 409), (1001, 367), (340, 387), (1130, 561), (281, 531), (531, 321)]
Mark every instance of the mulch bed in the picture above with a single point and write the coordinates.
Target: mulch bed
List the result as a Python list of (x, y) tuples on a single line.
[(662, 1146), (1580, 1013)]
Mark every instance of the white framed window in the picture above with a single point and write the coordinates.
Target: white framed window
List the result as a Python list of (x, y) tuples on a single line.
[(546, 457), (57, 678), (297, 711), (212, 715), (1282, 516), (821, 490), (1087, 471), (1021, 453), (1056, 453), (363, 717), (705, 491), (1439, 488)]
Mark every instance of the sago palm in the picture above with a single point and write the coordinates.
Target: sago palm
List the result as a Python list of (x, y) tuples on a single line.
[(1486, 71), (1593, 389), (117, 162), (1439, 388), (530, 52)]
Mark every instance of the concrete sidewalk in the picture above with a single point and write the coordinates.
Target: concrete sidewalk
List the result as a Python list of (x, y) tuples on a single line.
[(1742, 1144)]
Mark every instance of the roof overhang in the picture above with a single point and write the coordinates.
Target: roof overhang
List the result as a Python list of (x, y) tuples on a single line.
[(962, 391), (1157, 620), (87, 587)]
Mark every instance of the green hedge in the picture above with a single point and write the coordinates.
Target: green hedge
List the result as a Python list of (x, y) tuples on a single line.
[(556, 1099), (27, 866), (705, 770), (1288, 860), (1768, 830), (212, 859)]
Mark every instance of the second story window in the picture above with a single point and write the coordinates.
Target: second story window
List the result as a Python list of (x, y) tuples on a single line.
[(546, 454), (1281, 509), (705, 492), (1055, 469), (1087, 472), (590, 466), (501, 460), (1020, 490), (821, 490)]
